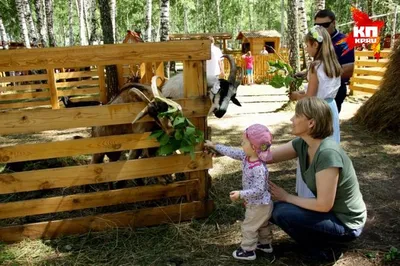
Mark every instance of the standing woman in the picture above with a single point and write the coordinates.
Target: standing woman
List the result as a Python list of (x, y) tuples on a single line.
[(338, 213)]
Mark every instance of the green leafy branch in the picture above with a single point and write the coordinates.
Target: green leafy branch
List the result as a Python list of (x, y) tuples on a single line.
[(184, 138), (283, 76)]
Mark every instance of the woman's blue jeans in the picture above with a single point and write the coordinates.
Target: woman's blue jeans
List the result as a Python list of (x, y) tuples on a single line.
[(315, 229)]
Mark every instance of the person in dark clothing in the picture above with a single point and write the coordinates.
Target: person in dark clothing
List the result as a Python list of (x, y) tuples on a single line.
[(326, 18)]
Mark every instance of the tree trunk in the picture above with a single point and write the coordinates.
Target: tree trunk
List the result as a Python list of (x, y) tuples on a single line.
[(164, 28), (381, 113), (293, 35), (369, 7), (250, 15), (108, 37), (217, 3), (303, 31), (22, 23), (282, 22), (3, 34), (41, 22), (50, 25), (29, 21), (82, 29), (93, 23), (113, 10), (393, 35), (147, 23), (319, 5)]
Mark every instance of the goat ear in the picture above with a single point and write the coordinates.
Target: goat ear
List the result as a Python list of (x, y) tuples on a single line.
[(235, 101)]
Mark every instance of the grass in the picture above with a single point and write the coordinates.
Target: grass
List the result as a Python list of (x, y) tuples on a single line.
[(211, 241)]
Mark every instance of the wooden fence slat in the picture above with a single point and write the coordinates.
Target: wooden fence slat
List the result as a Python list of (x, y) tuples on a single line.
[(101, 173), (25, 87), (384, 53), (134, 218), (24, 104), (367, 80), (371, 63), (363, 88), (26, 95), (23, 78), (77, 74), (71, 92), (102, 84), (109, 54), (77, 83), (54, 149), (55, 104), (28, 121), (96, 199), (369, 71)]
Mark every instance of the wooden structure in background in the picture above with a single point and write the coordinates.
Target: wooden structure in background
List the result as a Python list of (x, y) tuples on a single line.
[(368, 71), (220, 38), (192, 193), (254, 41)]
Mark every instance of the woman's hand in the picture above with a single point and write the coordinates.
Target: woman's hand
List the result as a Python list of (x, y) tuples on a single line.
[(234, 195), (277, 192)]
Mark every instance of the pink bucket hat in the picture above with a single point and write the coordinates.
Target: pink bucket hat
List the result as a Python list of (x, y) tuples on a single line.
[(260, 136)]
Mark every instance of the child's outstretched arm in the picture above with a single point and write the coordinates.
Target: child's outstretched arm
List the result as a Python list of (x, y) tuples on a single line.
[(234, 153)]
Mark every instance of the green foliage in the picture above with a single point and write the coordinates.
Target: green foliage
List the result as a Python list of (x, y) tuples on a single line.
[(392, 255), (284, 76), (185, 136)]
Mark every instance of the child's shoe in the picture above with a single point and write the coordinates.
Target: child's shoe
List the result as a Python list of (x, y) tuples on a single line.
[(241, 254), (267, 248)]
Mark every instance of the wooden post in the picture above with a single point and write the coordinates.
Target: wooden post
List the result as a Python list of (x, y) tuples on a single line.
[(146, 73), (102, 84), (120, 71), (195, 84), (53, 89)]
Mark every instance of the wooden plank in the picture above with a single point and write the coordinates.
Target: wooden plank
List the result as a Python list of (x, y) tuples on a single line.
[(39, 120), (372, 63), (369, 71), (55, 104), (77, 83), (70, 92), (368, 80), (24, 104), (96, 199), (78, 74), (23, 78), (195, 84), (108, 54), (101, 173), (134, 218), (25, 87), (27, 95), (102, 84), (36, 151), (384, 53), (363, 88)]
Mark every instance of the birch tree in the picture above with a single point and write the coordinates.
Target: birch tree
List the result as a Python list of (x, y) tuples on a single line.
[(49, 19), (3, 34), (185, 18), (82, 28), (71, 38), (164, 27), (217, 3), (41, 22), (28, 18), (147, 36), (293, 35), (303, 30), (22, 22), (113, 8)]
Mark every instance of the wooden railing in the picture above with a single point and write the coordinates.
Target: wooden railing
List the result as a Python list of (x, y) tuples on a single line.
[(192, 192), (368, 71)]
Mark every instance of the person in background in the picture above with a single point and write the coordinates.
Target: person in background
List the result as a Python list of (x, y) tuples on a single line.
[(249, 61), (264, 51), (215, 66)]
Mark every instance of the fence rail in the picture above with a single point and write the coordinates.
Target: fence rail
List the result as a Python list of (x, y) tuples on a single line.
[(183, 200)]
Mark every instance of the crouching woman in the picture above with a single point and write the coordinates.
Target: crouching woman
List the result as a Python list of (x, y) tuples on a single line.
[(338, 213)]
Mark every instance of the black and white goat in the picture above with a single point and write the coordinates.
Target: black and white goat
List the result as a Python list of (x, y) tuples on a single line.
[(221, 91), (69, 104)]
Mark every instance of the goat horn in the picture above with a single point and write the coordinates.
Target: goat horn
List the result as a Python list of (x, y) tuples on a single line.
[(232, 72), (140, 94), (154, 88), (140, 115)]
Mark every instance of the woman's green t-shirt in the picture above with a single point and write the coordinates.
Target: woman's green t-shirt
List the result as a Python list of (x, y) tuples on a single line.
[(349, 205)]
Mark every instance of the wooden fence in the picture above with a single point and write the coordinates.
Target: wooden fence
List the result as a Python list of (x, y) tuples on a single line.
[(368, 71), (67, 209)]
